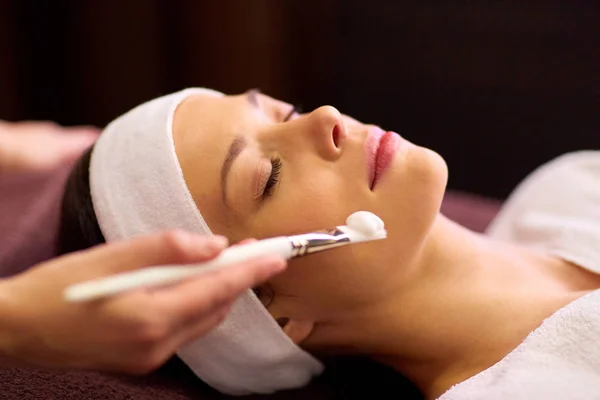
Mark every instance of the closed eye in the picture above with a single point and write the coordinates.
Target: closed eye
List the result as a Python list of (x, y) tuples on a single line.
[(273, 177), (296, 109)]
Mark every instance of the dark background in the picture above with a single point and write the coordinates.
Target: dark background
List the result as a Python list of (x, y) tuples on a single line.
[(497, 87)]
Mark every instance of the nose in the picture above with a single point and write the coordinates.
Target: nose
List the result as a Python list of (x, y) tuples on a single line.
[(327, 131)]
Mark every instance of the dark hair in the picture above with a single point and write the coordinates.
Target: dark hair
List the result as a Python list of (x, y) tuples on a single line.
[(78, 228)]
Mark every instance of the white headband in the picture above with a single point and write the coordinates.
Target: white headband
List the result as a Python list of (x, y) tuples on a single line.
[(137, 187)]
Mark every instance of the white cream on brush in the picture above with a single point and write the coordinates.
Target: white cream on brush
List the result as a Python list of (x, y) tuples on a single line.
[(360, 226)]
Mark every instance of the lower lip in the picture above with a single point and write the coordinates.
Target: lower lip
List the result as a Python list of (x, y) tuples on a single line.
[(388, 145)]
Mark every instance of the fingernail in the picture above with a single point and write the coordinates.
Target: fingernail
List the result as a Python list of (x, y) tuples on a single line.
[(220, 241)]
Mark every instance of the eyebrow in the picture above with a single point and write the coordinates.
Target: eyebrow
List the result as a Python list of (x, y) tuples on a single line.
[(235, 148)]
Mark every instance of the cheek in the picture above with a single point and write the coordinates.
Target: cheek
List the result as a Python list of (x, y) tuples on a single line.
[(413, 201), (328, 282), (331, 284), (324, 285), (305, 204), (334, 281)]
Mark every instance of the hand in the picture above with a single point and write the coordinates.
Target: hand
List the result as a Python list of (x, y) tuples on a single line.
[(134, 332), (34, 146)]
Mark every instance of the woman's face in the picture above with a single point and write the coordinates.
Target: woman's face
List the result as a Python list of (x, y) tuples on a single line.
[(255, 173)]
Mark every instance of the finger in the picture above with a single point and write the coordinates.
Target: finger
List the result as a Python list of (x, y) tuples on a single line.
[(245, 241), (33, 125), (200, 326), (173, 247), (210, 291), (86, 129), (182, 336), (71, 141), (65, 147)]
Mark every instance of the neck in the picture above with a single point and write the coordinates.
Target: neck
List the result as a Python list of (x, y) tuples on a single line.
[(471, 302)]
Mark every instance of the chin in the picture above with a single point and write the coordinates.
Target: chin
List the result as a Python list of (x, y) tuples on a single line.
[(414, 196), (421, 172), (434, 178), (439, 168)]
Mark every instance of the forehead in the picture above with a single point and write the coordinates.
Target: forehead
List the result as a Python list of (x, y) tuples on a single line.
[(203, 115), (204, 111), (203, 125)]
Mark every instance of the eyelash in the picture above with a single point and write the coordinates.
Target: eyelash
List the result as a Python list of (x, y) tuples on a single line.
[(274, 177), (296, 109)]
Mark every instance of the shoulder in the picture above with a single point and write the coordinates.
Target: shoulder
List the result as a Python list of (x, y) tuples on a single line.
[(556, 205), (558, 360)]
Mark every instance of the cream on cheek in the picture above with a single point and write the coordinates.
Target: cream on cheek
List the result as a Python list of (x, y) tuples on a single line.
[(330, 280), (323, 199)]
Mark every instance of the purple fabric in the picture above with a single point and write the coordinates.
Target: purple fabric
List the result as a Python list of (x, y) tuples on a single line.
[(29, 212), (472, 211), (28, 224)]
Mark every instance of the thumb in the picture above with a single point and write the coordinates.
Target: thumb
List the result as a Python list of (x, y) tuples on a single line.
[(172, 247), (69, 146)]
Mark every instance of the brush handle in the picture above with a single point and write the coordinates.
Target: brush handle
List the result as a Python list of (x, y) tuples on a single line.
[(160, 276), (115, 284)]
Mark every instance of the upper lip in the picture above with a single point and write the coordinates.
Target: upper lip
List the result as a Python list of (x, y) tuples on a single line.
[(372, 143)]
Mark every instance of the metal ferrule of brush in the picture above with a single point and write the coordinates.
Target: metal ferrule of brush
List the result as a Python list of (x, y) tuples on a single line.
[(317, 241)]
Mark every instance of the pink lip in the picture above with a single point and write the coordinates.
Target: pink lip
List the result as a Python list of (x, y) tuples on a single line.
[(380, 147)]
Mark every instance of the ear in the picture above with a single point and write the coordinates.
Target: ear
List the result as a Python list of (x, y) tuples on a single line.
[(297, 330)]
